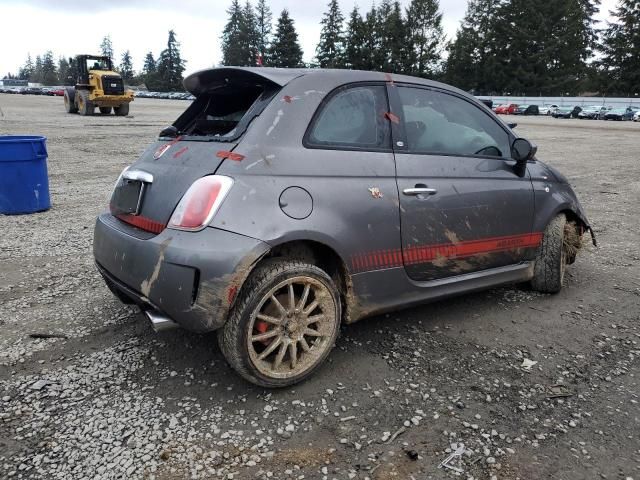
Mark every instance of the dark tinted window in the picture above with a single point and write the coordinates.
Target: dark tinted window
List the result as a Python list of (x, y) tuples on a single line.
[(437, 122), (353, 117)]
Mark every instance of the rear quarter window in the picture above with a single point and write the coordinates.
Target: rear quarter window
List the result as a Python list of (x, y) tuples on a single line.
[(352, 117)]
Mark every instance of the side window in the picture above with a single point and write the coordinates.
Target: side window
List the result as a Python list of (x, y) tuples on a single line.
[(353, 118), (437, 122)]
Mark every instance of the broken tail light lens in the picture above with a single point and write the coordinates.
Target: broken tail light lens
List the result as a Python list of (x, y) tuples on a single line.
[(201, 202)]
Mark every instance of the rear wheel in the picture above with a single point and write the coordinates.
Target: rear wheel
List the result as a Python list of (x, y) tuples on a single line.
[(122, 110), (85, 106), (283, 325), (70, 100), (551, 261), (105, 110)]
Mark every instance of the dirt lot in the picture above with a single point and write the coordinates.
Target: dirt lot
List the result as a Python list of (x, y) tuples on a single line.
[(112, 399)]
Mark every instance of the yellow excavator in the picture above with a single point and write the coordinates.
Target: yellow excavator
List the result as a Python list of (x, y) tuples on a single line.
[(97, 85)]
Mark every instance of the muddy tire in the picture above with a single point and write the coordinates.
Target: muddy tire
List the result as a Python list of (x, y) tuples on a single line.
[(283, 325), (551, 260), (122, 110), (85, 106), (70, 100), (105, 110)]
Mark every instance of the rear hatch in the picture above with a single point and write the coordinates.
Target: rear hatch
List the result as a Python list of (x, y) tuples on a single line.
[(227, 100)]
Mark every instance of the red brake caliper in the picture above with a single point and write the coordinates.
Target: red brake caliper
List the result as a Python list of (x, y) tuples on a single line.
[(262, 327)]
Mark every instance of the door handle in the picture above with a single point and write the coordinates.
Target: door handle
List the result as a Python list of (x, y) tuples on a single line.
[(419, 191)]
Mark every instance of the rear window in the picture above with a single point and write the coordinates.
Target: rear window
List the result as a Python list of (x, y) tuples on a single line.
[(224, 113)]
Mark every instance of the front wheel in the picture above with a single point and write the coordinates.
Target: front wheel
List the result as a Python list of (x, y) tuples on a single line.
[(122, 110), (283, 325), (551, 260), (85, 106)]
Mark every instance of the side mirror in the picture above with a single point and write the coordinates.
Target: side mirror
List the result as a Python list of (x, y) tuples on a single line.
[(170, 131), (522, 150)]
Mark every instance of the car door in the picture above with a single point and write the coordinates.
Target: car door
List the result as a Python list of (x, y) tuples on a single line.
[(463, 206)]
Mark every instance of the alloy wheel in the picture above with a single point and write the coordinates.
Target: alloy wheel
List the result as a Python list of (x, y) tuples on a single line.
[(292, 328)]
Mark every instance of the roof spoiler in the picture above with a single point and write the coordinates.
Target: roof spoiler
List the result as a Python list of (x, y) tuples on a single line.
[(214, 78)]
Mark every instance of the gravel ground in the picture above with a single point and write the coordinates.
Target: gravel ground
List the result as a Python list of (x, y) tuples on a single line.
[(519, 385)]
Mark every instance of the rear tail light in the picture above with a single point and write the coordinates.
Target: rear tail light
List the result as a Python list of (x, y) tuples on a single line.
[(201, 202)]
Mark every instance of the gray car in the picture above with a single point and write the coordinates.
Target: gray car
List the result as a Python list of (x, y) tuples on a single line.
[(283, 203)]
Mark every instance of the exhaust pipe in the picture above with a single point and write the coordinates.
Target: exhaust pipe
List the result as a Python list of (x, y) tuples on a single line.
[(160, 322)]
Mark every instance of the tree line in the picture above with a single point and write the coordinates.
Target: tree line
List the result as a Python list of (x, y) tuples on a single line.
[(517, 47), (162, 74)]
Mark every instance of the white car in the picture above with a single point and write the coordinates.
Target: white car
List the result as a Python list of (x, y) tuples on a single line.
[(548, 109), (636, 117)]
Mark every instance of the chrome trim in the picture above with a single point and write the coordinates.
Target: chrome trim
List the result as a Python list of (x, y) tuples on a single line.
[(419, 191), (138, 175)]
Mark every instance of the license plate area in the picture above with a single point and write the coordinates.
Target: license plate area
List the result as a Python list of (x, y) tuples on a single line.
[(127, 198)]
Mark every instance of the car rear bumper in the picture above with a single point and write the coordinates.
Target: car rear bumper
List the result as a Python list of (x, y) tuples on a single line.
[(191, 277)]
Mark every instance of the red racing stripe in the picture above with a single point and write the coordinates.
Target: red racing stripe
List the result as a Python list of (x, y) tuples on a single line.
[(428, 253)]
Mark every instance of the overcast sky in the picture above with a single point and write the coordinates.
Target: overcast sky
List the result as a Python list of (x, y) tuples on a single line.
[(69, 27)]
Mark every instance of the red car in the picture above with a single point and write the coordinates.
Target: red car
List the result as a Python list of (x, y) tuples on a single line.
[(507, 109), (58, 92)]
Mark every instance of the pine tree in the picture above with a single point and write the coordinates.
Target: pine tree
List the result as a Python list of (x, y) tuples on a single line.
[(621, 50), (49, 70), (149, 75), (171, 65), (541, 47), (426, 36), (126, 67), (470, 59), (355, 38), (392, 30), (371, 54), (64, 72), (330, 52), (264, 27), (149, 64), (27, 70), (249, 36), (285, 50), (232, 52), (36, 76), (106, 47)]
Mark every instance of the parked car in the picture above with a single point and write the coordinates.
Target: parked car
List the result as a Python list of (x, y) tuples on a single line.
[(548, 109), (567, 112), (619, 114), (527, 110), (636, 116), (592, 112), (506, 109), (31, 91), (487, 102), (283, 203)]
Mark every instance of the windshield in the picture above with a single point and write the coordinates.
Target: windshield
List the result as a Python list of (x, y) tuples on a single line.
[(97, 64)]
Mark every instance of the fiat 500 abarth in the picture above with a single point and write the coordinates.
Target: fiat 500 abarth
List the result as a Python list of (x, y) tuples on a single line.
[(284, 202)]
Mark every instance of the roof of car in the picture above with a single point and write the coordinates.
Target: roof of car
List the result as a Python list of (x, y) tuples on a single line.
[(212, 78)]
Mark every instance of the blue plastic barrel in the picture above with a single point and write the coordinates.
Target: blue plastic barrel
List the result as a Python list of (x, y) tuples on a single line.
[(24, 183)]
